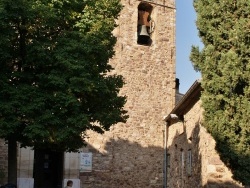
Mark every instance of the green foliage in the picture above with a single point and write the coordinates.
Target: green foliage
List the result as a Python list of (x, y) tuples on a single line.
[(54, 77), (224, 62)]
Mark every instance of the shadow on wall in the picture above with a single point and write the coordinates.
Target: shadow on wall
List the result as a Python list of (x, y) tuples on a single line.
[(3, 161), (225, 184), (185, 168), (184, 165), (124, 164), (237, 158), (2, 175)]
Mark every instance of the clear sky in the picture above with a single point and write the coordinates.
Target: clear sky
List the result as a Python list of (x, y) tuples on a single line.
[(186, 36)]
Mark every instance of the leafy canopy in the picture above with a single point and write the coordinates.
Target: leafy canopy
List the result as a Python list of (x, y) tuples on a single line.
[(224, 62), (54, 78)]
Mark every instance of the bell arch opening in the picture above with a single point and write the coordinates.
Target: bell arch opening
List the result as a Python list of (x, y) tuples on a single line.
[(145, 24)]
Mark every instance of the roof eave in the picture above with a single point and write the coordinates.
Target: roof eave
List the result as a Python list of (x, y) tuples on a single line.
[(187, 101)]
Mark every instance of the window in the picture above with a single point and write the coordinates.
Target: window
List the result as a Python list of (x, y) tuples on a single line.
[(145, 25), (182, 163), (168, 160), (189, 162)]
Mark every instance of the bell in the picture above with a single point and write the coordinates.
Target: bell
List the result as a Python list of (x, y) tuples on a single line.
[(143, 30), (143, 36)]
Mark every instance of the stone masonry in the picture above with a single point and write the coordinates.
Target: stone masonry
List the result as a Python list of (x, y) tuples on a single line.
[(131, 154), (3, 161), (193, 160)]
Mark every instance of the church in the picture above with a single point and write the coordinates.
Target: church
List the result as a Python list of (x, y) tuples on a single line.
[(131, 154), (163, 142)]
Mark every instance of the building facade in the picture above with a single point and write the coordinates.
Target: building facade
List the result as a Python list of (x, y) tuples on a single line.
[(192, 158), (3, 162), (131, 154)]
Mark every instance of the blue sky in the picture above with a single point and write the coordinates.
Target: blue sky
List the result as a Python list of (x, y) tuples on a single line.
[(186, 36)]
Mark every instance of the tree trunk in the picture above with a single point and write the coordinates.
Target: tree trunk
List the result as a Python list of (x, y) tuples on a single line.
[(12, 161)]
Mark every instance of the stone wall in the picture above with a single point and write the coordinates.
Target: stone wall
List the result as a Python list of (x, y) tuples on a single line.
[(130, 155), (25, 159), (204, 168), (3, 162)]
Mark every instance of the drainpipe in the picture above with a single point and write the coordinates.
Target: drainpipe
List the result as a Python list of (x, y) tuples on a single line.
[(165, 156)]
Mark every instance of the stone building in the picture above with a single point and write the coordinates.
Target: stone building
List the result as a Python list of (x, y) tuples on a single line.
[(3, 162), (131, 154), (192, 161)]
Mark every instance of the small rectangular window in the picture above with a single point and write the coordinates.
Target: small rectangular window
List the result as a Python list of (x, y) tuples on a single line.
[(181, 163), (168, 160), (189, 162)]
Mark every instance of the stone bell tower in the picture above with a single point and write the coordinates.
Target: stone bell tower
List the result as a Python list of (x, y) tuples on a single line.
[(131, 154)]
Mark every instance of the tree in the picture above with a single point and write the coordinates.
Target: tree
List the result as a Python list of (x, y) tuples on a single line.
[(55, 80), (224, 63)]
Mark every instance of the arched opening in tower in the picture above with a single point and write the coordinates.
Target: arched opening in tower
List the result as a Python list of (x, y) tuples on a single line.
[(145, 24)]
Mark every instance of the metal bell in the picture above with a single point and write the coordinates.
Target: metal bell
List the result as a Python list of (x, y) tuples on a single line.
[(143, 30), (143, 35)]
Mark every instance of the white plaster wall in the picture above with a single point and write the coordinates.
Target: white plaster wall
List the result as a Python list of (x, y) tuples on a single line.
[(71, 165), (25, 163)]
